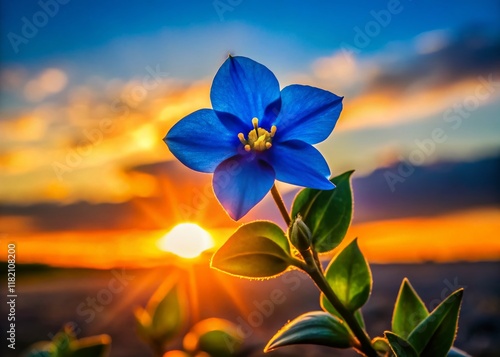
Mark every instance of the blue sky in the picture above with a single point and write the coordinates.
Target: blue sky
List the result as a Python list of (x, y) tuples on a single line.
[(318, 28)]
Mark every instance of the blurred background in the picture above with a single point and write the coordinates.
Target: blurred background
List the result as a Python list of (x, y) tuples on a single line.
[(87, 187)]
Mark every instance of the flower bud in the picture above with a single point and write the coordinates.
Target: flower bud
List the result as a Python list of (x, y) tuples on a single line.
[(300, 234)]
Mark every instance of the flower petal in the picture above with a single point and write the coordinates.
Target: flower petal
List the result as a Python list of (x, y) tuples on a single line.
[(300, 164), (307, 113), (201, 142), (245, 89), (240, 182)]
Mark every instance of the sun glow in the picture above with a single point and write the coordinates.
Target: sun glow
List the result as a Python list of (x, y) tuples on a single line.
[(187, 240)]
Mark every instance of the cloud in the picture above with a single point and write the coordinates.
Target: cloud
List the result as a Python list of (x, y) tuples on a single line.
[(13, 79), (412, 81), (74, 131), (50, 81), (182, 195), (431, 41), (53, 150), (344, 69), (439, 61)]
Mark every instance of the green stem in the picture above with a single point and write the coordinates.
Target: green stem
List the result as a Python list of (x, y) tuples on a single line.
[(314, 271), (281, 205), (316, 260)]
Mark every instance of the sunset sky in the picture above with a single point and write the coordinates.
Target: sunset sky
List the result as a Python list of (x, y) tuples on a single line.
[(89, 89)]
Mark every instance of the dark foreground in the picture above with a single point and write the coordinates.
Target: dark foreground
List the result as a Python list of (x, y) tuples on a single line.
[(47, 298)]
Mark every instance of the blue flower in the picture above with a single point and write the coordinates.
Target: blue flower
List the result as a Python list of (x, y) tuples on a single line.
[(256, 134)]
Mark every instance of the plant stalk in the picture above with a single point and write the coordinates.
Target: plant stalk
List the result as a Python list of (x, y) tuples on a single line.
[(319, 279), (281, 205), (317, 260), (314, 269)]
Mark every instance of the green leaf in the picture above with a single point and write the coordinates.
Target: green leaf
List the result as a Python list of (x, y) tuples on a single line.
[(41, 349), (349, 276), (168, 311), (62, 340), (381, 345), (359, 316), (65, 344), (217, 337), (434, 336), (95, 346), (317, 328), (219, 343), (325, 304), (327, 213), (400, 346), (256, 250), (455, 352), (409, 310)]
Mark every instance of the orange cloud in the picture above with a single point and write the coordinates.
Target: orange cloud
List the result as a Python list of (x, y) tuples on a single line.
[(466, 235), (104, 126), (50, 81), (385, 108), (90, 134)]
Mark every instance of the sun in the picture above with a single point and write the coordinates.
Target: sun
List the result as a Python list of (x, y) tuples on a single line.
[(187, 240)]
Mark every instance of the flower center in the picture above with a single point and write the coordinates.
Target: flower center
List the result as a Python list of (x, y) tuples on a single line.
[(258, 139)]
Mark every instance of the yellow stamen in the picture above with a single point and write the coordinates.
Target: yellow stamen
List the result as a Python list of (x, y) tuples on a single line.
[(242, 138), (255, 123), (259, 139)]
